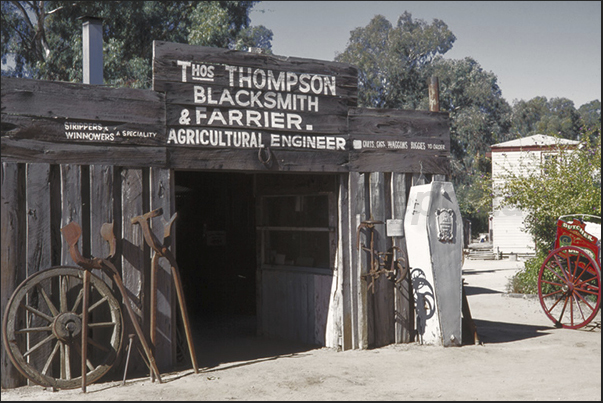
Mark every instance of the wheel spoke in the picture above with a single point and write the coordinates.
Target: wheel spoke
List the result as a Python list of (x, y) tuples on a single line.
[(76, 304), (560, 266), (66, 361), (50, 358), (49, 303), (33, 330), (552, 293), (101, 324), (556, 274), (38, 313), (563, 310), (78, 348), (98, 303), (37, 346), (63, 293), (97, 345), (592, 308)]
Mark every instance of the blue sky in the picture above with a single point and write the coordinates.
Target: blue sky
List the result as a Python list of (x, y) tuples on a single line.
[(542, 48)]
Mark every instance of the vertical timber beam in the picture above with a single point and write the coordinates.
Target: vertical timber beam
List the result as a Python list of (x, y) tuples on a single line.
[(358, 213), (13, 252), (382, 293), (343, 263), (403, 300), (71, 205), (163, 196), (134, 262), (39, 252)]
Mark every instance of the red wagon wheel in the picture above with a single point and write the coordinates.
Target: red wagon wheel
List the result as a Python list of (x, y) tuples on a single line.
[(569, 287)]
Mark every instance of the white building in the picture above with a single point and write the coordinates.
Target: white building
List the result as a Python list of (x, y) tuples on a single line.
[(521, 156)]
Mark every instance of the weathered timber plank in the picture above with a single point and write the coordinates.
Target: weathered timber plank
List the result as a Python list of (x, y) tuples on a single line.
[(397, 162), (359, 212), (13, 254), (162, 191), (397, 122), (57, 153), (403, 301), (39, 253), (134, 260), (81, 132), (281, 160), (71, 206), (54, 99)]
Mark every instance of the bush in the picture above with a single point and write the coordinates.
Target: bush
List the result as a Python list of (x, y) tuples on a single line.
[(526, 280)]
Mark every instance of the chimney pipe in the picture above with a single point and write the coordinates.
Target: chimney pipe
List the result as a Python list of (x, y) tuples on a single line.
[(92, 41)]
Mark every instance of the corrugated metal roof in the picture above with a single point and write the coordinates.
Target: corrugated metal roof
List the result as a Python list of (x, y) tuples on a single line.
[(535, 140)]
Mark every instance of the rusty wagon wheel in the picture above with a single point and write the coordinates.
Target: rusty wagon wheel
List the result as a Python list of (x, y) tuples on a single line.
[(569, 287), (43, 323)]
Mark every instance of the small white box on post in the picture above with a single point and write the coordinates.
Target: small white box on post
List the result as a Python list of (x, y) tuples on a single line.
[(434, 240)]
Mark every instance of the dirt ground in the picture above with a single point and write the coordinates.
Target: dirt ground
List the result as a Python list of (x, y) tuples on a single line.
[(523, 357)]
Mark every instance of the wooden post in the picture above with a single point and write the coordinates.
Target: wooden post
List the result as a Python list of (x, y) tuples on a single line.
[(434, 94), (13, 252)]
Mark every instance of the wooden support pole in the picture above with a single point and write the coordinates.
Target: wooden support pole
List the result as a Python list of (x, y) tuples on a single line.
[(434, 94)]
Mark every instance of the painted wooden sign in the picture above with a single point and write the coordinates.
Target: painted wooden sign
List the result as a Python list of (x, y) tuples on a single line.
[(221, 98), (217, 109)]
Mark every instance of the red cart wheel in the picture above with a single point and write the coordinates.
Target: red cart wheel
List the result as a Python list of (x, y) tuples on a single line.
[(569, 287)]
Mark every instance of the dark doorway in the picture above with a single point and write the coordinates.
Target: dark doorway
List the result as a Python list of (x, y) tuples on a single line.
[(216, 242), (216, 253)]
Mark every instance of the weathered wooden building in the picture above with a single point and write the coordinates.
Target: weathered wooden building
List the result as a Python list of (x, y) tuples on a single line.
[(271, 167)]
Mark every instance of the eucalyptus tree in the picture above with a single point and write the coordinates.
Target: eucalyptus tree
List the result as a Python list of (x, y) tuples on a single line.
[(42, 39), (391, 59)]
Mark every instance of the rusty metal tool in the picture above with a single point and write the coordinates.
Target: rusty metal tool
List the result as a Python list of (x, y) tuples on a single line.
[(131, 337), (382, 262), (161, 250), (72, 233)]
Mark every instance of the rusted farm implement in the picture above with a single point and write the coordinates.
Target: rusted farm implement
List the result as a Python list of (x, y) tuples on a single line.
[(569, 281), (53, 343)]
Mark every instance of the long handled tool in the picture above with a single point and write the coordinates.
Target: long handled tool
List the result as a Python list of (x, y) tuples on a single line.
[(161, 250), (72, 233)]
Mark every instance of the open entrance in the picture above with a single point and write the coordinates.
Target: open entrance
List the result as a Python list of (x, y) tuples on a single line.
[(216, 248)]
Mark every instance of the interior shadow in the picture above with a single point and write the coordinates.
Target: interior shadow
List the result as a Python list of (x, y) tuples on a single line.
[(503, 332), (228, 339)]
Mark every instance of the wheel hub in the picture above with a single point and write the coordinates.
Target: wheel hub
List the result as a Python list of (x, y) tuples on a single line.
[(67, 326)]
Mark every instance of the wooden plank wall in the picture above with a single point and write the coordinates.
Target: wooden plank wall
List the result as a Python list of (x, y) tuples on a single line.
[(38, 199), (387, 316), (295, 305)]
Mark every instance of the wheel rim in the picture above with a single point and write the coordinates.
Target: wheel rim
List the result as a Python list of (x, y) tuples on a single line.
[(569, 287), (43, 323)]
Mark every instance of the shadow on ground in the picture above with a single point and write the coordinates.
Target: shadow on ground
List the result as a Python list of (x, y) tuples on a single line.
[(233, 339), (502, 332)]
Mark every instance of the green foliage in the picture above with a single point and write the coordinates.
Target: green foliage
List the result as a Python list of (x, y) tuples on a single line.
[(44, 38), (567, 182), (391, 60), (555, 117), (526, 280)]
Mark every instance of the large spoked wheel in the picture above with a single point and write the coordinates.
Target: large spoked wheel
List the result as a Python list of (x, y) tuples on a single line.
[(42, 328), (569, 287)]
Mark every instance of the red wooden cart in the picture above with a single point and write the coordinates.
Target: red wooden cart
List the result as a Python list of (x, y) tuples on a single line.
[(569, 281)]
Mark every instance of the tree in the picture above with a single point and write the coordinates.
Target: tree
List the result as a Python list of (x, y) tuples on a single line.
[(391, 60), (555, 117), (394, 65), (43, 39), (569, 182)]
